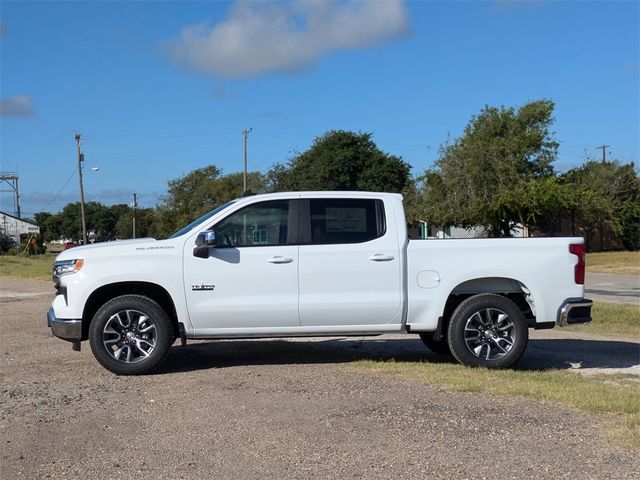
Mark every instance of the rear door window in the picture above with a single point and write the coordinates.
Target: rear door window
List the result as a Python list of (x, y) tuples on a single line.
[(350, 220)]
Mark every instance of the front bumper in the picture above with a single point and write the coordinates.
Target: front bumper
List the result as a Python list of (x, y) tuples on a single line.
[(65, 328), (576, 311)]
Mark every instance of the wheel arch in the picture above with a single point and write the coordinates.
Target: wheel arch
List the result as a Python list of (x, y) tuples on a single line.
[(510, 288), (107, 292)]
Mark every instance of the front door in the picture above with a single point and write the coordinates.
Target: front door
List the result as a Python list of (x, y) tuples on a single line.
[(250, 280)]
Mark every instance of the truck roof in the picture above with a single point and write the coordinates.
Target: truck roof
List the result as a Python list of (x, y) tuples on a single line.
[(323, 194)]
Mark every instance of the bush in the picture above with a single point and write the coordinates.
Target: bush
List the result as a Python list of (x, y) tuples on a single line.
[(6, 243)]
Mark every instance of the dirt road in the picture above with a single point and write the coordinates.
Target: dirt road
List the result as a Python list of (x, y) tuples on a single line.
[(275, 409)]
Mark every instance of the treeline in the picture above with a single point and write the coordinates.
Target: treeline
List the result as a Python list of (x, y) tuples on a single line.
[(498, 174), (105, 222)]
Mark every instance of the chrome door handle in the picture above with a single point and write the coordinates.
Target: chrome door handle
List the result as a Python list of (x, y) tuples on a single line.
[(280, 260), (379, 257)]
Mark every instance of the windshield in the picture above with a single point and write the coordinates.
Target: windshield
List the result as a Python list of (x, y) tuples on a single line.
[(203, 218)]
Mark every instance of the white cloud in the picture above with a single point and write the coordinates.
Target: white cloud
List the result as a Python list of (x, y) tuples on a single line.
[(17, 107), (264, 37)]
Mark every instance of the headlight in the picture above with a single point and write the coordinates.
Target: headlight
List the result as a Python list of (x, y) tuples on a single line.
[(64, 267)]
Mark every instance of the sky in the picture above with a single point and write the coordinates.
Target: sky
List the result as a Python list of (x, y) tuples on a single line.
[(157, 89)]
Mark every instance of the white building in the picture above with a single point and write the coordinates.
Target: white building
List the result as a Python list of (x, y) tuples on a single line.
[(14, 227)]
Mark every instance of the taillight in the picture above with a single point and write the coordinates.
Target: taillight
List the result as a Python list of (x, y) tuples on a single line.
[(578, 250)]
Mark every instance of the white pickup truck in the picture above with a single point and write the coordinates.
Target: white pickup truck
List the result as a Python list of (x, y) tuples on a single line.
[(314, 264)]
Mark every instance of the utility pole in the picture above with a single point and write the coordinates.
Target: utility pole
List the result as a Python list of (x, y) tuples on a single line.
[(245, 134), (603, 147), (134, 204), (84, 220), (18, 196), (12, 179)]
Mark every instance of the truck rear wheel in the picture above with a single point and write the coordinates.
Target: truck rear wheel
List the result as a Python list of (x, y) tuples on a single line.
[(130, 335), (488, 331)]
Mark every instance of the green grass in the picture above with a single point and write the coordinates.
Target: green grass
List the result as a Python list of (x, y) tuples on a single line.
[(35, 267), (614, 395), (615, 263)]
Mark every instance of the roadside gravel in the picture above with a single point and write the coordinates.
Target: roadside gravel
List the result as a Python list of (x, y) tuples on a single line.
[(268, 409)]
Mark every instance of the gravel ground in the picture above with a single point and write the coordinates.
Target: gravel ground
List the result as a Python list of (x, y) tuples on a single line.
[(269, 409)]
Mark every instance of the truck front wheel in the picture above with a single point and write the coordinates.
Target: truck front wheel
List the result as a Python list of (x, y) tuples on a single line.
[(488, 331), (130, 335)]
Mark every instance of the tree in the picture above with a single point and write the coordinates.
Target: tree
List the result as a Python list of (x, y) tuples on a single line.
[(101, 221), (50, 225), (607, 197), (412, 201), (341, 160), (498, 173), (199, 191), (145, 224)]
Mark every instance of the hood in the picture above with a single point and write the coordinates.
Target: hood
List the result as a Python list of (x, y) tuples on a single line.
[(83, 250)]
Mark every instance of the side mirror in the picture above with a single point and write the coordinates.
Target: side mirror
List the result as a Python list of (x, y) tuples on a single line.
[(204, 241), (207, 238)]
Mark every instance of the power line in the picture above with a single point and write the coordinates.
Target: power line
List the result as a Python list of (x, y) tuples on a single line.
[(158, 135), (277, 133), (116, 157), (269, 144), (44, 209)]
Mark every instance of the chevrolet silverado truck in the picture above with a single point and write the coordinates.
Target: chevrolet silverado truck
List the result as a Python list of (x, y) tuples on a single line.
[(314, 264)]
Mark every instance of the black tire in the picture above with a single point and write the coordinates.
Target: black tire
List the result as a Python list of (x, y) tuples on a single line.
[(441, 347), (488, 331), (130, 335)]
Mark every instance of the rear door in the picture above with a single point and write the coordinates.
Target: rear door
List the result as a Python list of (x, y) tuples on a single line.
[(349, 272)]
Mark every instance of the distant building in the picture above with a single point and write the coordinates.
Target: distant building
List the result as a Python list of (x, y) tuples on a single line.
[(14, 227), (423, 230)]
